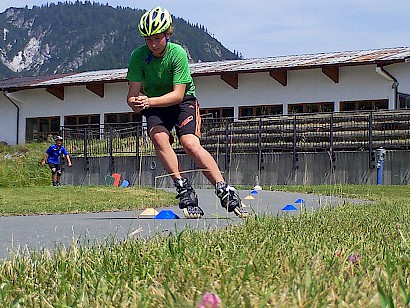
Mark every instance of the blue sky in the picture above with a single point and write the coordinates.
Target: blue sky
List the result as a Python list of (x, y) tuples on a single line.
[(271, 27)]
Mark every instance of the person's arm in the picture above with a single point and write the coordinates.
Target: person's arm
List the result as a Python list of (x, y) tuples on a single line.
[(43, 162), (68, 160), (141, 102), (134, 91), (65, 153)]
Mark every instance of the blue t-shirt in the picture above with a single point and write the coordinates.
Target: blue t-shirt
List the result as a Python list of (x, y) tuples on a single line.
[(54, 152)]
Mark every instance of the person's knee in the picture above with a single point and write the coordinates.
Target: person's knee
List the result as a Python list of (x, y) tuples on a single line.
[(58, 172), (53, 171), (190, 143), (160, 139)]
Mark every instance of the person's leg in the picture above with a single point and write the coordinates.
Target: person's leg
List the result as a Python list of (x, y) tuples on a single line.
[(227, 194), (188, 200), (58, 175), (53, 170), (160, 138), (189, 131), (54, 178), (201, 157)]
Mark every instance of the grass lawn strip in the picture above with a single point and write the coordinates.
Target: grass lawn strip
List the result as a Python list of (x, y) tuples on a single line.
[(75, 199)]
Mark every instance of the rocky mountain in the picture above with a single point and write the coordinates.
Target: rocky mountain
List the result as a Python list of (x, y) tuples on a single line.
[(84, 36)]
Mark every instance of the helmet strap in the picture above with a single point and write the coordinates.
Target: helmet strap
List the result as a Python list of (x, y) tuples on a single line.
[(163, 50), (166, 44), (149, 58)]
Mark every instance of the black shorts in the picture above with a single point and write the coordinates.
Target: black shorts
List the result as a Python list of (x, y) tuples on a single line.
[(57, 166), (184, 117)]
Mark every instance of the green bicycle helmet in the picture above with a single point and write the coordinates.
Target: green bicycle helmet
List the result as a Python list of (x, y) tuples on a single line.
[(155, 21)]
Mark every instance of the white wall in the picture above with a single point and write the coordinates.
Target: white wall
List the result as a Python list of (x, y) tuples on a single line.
[(402, 73), (8, 121), (77, 100)]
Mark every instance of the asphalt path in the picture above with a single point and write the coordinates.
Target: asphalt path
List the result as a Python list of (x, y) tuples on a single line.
[(20, 234)]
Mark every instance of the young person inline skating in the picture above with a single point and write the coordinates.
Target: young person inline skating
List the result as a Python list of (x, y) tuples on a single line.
[(160, 70)]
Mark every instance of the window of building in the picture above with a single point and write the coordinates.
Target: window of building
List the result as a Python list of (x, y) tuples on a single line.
[(377, 104), (260, 110), (124, 119), (217, 113), (246, 112), (39, 129), (82, 121), (404, 101), (311, 107)]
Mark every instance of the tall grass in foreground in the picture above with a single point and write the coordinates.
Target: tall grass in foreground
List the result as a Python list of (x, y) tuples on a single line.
[(345, 256)]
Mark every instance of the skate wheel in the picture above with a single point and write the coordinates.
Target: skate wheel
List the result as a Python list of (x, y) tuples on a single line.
[(193, 213), (240, 212)]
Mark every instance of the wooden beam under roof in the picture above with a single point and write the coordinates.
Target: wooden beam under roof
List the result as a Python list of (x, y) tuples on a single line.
[(280, 76), (97, 88), (332, 72), (231, 79), (57, 91)]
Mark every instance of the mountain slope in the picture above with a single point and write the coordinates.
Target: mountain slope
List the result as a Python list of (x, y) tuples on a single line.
[(73, 37)]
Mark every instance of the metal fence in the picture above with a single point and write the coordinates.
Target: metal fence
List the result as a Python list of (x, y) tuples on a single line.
[(314, 132), (360, 131), (101, 140)]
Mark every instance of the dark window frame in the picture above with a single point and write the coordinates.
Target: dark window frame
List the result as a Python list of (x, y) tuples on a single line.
[(53, 128), (313, 107), (259, 110), (217, 112), (404, 101), (92, 120), (364, 105), (121, 119)]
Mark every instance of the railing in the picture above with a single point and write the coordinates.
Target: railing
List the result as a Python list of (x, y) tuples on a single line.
[(360, 131), (102, 140)]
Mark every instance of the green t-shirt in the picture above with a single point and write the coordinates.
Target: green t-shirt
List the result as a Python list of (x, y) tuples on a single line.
[(158, 75)]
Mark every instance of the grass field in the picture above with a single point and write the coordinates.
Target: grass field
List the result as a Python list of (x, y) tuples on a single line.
[(25, 188), (365, 192), (71, 199), (347, 256)]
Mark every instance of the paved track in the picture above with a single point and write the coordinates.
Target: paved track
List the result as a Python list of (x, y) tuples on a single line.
[(46, 231)]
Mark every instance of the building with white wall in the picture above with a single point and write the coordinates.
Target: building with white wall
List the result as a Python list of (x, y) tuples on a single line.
[(32, 108)]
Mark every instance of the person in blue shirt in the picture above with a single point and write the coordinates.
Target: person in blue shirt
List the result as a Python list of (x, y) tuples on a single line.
[(52, 157)]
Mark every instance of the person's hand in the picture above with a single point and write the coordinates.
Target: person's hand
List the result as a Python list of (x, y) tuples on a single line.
[(70, 164), (43, 162), (134, 104), (139, 103), (144, 101)]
